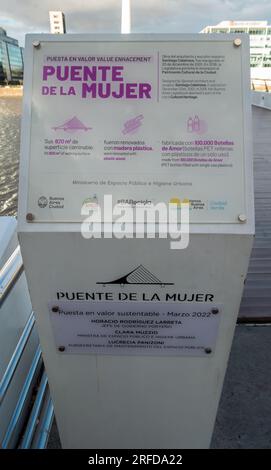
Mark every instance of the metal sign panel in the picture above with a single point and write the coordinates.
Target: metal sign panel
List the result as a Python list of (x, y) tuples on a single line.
[(146, 120), (135, 328)]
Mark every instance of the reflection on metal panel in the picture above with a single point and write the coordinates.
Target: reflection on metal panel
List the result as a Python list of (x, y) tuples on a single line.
[(256, 301)]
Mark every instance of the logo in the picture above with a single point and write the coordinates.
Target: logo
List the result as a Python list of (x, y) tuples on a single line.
[(196, 125), (131, 126), (72, 125), (139, 276), (90, 202), (42, 202)]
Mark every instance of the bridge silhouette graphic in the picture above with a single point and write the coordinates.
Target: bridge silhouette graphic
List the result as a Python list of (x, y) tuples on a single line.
[(139, 275)]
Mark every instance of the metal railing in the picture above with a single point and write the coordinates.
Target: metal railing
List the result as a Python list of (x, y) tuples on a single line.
[(10, 273), (15, 358), (45, 426), (8, 441), (41, 416), (35, 413)]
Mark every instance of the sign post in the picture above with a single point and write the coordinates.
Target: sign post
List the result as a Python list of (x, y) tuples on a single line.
[(135, 331)]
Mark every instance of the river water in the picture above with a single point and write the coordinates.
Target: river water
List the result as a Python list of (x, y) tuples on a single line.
[(10, 117)]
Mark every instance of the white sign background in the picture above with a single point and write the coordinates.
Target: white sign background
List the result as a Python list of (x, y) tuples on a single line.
[(135, 328), (63, 176)]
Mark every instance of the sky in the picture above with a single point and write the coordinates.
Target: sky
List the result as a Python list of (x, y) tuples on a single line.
[(19, 17)]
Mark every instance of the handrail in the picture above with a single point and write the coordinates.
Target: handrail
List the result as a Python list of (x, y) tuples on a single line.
[(10, 272), (16, 356), (45, 426), (32, 422), (22, 399), (262, 79)]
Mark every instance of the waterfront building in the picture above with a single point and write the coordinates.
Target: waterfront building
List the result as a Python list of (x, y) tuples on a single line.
[(260, 46), (57, 22), (11, 60)]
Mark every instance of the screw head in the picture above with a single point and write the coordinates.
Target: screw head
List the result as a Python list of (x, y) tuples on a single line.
[(237, 42), (30, 217), (208, 350), (55, 309), (215, 311), (242, 218), (61, 348), (36, 44)]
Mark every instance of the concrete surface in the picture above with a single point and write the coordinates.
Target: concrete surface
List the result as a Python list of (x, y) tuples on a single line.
[(244, 414)]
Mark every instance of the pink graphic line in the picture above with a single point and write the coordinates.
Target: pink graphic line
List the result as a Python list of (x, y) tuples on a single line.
[(158, 78)]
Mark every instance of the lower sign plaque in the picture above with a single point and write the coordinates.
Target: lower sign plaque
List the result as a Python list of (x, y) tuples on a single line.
[(137, 328)]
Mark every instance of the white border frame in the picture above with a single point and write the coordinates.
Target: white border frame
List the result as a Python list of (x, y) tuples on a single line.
[(223, 228)]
